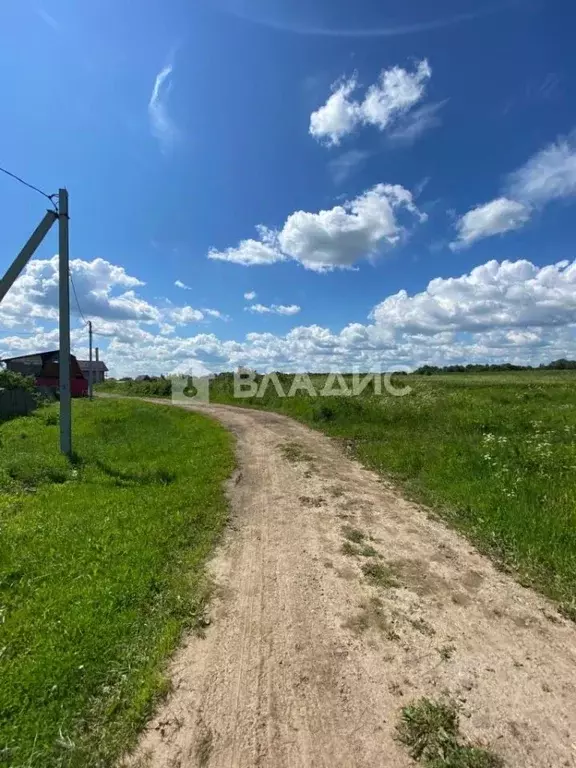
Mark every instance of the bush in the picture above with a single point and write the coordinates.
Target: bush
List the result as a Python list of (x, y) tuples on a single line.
[(324, 413), (12, 380)]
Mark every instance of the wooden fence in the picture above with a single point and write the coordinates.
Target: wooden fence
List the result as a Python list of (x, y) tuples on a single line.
[(16, 402)]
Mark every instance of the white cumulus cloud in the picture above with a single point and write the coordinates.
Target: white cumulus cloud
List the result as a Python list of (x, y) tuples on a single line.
[(104, 290), (252, 252), (105, 293), (507, 294), (250, 295), (185, 315), (215, 313), (499, 311), (395, 93), (339, 116), (493, 218), (334, 238), (275, 309), (180, 284)]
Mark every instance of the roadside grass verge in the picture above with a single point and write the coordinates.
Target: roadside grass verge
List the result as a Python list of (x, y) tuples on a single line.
[(493, 454), (101, 568)]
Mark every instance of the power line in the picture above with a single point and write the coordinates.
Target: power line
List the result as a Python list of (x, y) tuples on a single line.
[(31, 186), (76, 297)]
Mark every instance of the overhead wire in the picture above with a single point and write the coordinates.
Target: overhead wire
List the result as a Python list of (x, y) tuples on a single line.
[(52, 199), (31, 186), (76, 297)]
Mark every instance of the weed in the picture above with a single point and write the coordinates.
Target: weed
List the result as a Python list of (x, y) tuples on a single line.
[(430, 730), (369, 551), (422, 626), (311, 501), (294, 452), (353, 534), (371, 615), (446, 652), (379, 574), (324, 413), (348, 548), (204, 747), (51, 418)]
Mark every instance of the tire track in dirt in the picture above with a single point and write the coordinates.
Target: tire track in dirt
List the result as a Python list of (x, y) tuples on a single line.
[(306, 662)]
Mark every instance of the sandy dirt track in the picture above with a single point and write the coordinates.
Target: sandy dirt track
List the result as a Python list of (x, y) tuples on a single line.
[(306, 663)]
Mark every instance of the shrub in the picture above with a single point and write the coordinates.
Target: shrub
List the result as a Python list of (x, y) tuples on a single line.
[(12, 380)]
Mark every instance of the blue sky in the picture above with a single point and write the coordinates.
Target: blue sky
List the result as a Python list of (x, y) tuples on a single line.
[(381, 149)]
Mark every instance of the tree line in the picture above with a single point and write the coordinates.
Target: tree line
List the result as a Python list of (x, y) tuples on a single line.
[(555, 365)]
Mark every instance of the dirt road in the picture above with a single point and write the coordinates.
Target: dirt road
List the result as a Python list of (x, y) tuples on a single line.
[(307, 660)]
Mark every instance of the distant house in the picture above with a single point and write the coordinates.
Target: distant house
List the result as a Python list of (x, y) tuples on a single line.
[(44, 367), (99, 370)]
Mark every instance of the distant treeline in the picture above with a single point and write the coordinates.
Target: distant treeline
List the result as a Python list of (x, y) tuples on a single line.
[(555, 365)]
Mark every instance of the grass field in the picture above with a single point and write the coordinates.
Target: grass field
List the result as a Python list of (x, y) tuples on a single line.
[(101, 568), (494, 454)]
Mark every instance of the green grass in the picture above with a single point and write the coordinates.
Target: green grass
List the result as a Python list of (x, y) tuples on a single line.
[(368, 551), (101, 568), (430, 731), (157, 387), (492, 453)]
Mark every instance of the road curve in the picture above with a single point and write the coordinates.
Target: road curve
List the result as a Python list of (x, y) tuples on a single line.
[(307, 662)]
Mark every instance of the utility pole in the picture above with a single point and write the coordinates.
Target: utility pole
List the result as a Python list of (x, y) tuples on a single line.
[(11, 276), (64, 311), (90, 375)]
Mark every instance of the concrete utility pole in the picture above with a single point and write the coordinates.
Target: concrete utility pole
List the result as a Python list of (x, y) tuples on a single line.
[(90, 375), (12, 274), (64, 311)]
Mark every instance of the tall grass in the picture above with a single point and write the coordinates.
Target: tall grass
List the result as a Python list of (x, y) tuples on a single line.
[(153, 387), (101, 567)]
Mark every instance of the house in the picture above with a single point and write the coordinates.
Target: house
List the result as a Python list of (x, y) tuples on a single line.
[(98, 368), (44, 367)]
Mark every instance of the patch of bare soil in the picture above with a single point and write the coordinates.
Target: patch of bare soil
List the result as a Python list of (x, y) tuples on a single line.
[(313, 647)]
